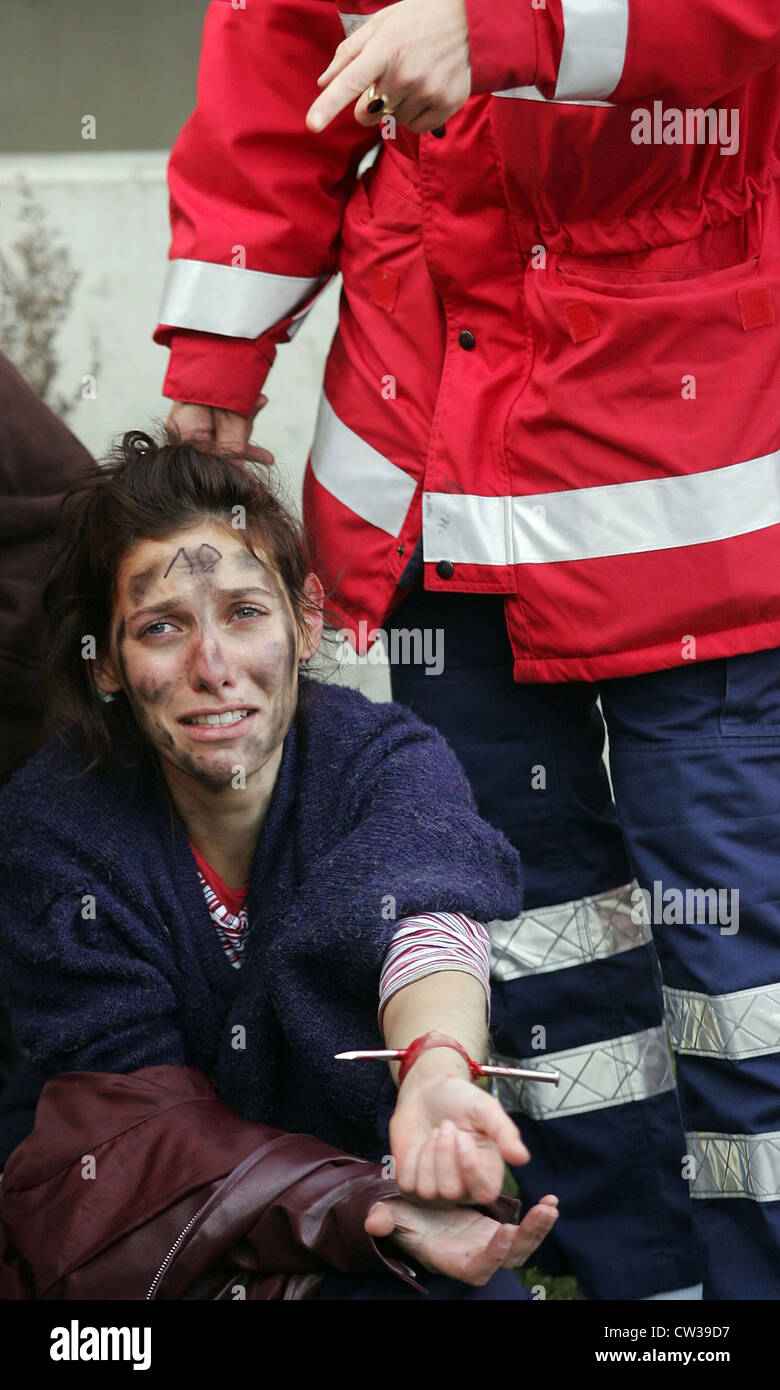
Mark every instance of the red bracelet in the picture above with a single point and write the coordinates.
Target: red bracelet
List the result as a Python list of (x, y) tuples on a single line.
[(416, 1048)]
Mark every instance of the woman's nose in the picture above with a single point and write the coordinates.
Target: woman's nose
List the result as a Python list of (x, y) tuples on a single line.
[(208, 663)]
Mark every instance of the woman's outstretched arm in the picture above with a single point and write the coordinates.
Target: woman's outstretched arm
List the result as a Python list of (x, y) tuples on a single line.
[(449, 1138)]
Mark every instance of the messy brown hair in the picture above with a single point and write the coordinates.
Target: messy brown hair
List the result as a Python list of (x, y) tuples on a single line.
[(147, 489)]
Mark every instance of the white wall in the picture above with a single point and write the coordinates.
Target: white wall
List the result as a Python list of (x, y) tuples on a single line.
[(111, 212)]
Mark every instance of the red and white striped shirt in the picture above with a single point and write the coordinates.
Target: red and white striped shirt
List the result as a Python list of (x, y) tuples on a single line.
[(226, 908)]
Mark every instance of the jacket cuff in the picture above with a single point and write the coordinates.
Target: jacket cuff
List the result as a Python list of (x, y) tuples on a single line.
[(207, 369), (366, 1252), (508, 1210), (513, 44)]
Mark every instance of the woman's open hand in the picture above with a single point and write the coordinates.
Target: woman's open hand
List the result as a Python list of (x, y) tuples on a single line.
[(458, 1242), (450, 1140)]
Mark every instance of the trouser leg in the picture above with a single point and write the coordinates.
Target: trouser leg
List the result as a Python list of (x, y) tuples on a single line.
[(695, 756), (608, 1140)]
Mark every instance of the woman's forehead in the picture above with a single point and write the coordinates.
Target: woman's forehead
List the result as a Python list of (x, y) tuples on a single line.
[(207, 552)]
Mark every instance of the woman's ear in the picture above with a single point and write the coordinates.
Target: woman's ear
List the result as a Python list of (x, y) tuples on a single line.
[(312, 620), (105, 675)]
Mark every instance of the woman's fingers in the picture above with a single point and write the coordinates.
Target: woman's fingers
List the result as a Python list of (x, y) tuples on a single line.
[(488, 1116), (512, 1246), (496, 1254), (528, 1236), (480, 1184), (406, 1167), (425, 1184), (449, 1179), (450, 1166)]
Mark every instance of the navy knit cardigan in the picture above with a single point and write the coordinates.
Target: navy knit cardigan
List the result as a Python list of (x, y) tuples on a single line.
[(371, 818)]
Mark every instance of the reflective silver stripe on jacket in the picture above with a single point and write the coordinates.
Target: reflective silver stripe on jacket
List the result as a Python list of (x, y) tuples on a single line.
[(566, 934), (229, 300), (357, 475), (613, 519), (533, 94), (351, 22), (743, 1024), (735, 1165), (593, 1077), (595, 33)]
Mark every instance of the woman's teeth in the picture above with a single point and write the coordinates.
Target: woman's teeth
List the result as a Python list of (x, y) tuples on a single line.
[(230, 716)]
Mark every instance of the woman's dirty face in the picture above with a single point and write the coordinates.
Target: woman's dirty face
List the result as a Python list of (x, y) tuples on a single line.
[(208, 649)]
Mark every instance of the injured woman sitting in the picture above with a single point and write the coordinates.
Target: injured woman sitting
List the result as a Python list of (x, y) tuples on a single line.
[(219, 874)]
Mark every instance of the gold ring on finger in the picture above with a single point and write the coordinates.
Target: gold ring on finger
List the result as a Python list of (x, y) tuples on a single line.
[(387, 108)]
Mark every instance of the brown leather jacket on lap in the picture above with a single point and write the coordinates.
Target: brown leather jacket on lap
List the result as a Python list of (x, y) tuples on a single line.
[(147, 1186)]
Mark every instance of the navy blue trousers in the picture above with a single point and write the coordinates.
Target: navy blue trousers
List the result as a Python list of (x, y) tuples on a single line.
[(646, 1205)]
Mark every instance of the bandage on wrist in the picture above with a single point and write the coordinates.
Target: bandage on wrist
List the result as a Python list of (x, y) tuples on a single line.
[(426, 1043)]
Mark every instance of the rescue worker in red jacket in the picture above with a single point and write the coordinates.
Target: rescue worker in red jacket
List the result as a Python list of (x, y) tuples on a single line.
[(549, 431)]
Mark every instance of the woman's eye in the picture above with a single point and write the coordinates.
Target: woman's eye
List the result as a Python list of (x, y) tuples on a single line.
[(251, 610), (153, 628)]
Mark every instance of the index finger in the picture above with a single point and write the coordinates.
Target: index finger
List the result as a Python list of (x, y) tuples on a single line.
[(346, 51), (346, 86)]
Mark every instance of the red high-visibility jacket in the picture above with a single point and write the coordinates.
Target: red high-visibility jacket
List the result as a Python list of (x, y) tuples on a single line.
[(558, 355)]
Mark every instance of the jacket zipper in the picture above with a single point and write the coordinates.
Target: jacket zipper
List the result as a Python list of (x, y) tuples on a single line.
[(172, 1252)]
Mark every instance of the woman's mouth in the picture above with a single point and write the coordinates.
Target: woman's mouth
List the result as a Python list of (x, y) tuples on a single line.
[(228, 723)]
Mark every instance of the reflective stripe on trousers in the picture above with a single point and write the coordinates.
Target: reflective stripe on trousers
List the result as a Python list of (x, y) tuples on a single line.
[(612, 1072), (695, 768), (696, 772)]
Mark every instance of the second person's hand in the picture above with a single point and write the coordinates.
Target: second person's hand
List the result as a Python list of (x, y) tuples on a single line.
[(458, 1242), (417, 51), (219, 431)]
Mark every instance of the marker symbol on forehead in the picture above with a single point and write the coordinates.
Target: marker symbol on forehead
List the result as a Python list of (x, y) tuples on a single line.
[(197, 561)]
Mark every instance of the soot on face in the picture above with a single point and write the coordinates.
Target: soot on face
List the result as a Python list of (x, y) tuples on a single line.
[(263, 676), (150, 691)]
